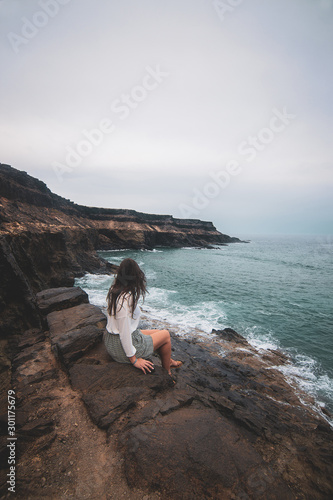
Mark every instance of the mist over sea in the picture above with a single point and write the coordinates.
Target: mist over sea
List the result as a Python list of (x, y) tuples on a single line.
[(276, 291)]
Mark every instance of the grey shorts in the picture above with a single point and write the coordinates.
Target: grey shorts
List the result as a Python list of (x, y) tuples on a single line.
[(142, 343)]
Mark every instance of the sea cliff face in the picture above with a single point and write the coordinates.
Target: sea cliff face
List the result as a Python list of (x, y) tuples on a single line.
[(27, 204)]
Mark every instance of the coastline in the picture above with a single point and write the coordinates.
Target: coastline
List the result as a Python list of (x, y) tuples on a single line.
[(228, 344), (229, 427), (277, 360), (272, 292)]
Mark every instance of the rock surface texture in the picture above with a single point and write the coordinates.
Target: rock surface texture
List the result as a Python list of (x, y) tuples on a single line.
[(226, 427)]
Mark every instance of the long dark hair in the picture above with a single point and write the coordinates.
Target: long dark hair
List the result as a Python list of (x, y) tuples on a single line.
[(129, 279)]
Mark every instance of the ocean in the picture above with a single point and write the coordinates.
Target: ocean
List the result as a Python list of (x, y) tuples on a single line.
[(276, 291)]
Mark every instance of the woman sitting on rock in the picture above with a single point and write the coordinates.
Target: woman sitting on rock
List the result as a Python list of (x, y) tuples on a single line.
[(123, 340)]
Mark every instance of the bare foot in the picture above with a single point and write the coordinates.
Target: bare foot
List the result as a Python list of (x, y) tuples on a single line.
[(175, 364), (172, 378)]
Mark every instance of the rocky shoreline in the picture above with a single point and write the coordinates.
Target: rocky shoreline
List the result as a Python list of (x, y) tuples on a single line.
[(87, 427), (47, 241), (231, 427)]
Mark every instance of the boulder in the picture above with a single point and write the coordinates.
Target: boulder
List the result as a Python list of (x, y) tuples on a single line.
[(74, 331), (56, 299), (231, 336)]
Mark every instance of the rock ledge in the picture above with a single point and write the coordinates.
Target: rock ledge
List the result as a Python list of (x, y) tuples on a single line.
[(229, 427)]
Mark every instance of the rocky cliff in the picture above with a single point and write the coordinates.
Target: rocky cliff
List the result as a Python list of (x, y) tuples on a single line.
[(86, 427), (28, 205), (46, 241)]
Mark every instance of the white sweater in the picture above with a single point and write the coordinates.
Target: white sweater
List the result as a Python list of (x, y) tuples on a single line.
[(124, 324)]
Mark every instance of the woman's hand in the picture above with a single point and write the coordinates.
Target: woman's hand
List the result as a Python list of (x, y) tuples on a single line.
[(144, 365)]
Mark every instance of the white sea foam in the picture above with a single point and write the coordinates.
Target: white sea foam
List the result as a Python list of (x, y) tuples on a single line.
[(150, 274), (116, 250), (96, 286), (304, 371), (190, 248), (163, 304), (116, 258), (205, 316), (154, 250), (259, 339), (303, 374)]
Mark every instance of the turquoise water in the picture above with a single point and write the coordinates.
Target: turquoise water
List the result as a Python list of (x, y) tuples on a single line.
[(275, 291)]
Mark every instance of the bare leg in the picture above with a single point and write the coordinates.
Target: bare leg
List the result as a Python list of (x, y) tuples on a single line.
[(162, 344), (150, 332)]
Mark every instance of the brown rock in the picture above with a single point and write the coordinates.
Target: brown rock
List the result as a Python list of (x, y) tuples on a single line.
[(198, 455), (74, 331), (36, 428)]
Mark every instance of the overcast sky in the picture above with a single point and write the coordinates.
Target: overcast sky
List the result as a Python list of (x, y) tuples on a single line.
[(220, 110)]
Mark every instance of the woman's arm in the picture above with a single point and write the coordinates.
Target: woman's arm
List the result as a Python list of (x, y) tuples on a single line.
[(142, 364), (125, 334)]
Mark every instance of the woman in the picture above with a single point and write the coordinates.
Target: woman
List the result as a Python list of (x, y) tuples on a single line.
[(124, 341)]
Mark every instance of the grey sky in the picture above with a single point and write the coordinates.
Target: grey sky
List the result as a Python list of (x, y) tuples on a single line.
[(185, 92)]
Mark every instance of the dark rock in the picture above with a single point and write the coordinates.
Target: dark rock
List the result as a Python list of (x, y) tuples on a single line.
[(176, 401), (74, 331), (3, 452), (35, 366), (110, 376), (62, 322), (5, 363), (28, 354), (30, 338), (106, 406), (56, 299), (221, 428), (28, 402), (230, 335), (199, 455), (72, 346), (18, 310)]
